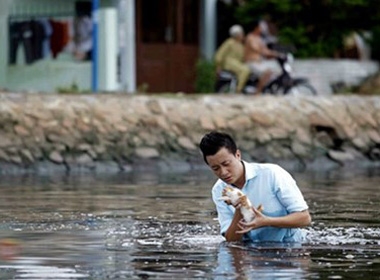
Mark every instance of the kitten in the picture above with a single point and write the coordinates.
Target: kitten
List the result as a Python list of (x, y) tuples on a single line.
[(232, 195)]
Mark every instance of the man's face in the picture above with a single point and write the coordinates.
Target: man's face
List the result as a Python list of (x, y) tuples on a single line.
[(226, 165), (257, 30)]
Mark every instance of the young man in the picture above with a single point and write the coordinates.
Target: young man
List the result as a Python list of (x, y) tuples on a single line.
[(284, 208)]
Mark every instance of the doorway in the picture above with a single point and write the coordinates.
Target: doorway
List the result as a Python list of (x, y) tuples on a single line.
[(167, 44)]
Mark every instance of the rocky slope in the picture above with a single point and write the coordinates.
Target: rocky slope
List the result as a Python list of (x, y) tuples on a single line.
[(117, 132)]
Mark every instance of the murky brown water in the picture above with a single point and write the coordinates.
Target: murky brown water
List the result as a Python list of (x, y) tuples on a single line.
[(162, 226)]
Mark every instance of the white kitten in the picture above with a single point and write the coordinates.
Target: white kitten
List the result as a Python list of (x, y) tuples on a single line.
[(232, 195)]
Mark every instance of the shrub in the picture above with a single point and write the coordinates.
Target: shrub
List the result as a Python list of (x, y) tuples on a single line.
[(205, 76)]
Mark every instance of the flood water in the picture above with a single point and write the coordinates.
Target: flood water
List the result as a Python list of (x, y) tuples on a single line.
[(163, 226)]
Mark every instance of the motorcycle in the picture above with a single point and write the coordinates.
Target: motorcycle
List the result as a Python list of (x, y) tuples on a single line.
[(281, 84)]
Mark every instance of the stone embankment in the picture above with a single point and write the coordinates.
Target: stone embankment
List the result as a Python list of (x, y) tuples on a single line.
[(118, 132)]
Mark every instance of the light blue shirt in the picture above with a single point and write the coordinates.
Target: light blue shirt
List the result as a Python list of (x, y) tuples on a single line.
[(277, 191)]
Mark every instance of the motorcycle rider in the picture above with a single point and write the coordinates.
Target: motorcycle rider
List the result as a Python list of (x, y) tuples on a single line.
[(255, 52), (230, 56)]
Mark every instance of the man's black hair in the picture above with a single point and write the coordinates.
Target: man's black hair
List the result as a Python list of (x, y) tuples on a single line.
[(253, 24), (212, 142)]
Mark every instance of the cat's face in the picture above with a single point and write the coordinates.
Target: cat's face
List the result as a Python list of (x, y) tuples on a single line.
[(235, 195), (227, 191), (232, 194)]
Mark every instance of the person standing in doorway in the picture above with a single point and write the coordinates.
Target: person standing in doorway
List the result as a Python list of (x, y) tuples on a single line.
[(82, 37)]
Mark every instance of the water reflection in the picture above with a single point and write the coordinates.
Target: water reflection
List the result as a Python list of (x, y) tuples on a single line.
[(163, 226), (262, 261)]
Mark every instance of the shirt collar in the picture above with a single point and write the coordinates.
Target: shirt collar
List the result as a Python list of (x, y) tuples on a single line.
[(250, 170)]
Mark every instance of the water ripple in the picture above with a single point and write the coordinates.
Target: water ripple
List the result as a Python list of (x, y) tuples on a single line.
[(344, 235)]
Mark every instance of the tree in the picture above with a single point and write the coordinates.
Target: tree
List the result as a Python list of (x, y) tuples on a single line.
[(315, 27)]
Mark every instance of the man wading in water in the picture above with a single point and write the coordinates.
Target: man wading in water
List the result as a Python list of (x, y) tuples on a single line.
[(284, 208)]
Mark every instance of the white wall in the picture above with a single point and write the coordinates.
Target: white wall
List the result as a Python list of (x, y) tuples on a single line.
[(3, 34), (322, 73), (208, 20), (108, 49), (127, 45)]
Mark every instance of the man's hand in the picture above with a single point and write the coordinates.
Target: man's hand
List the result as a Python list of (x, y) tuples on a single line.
[(293, 220), (260, 220)]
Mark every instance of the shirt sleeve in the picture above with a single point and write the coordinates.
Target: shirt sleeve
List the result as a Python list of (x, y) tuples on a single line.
[(225, 212), (288, 192)]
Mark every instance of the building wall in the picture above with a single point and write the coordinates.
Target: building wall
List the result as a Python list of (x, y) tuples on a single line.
[(325, 73), (48, 74)]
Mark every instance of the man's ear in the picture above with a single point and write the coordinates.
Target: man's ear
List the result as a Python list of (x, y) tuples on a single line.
[(238, 154)]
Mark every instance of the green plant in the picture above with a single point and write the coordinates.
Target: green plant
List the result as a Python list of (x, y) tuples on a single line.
[(72, 89), (205, 76), (375, 43)]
